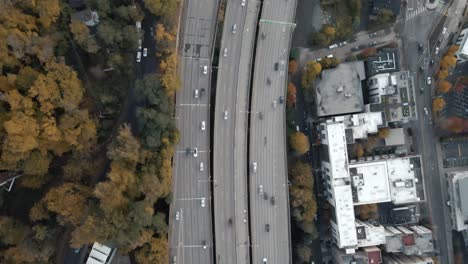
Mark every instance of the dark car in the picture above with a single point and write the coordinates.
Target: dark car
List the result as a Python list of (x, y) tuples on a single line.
[(272, 200), (281, 100), (355, 48), (373, 43), (276, 66), (372, 35), (267, 227), (431, 62), (420, 47)]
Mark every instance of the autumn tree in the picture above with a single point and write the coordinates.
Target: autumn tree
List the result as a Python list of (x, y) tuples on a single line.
[(291, 95), (312, 69), (303, 252), (444, 86), (154, 252), (367, 211), (303, 204), (162, 7), (384, 132), (165, 40), (359, 150), (329, 31), (292, 67), (438, 104), (299, 142), (367, 52), (83, 38), (442, 74)]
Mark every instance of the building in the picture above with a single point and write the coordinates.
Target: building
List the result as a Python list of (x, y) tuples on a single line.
[(368, 255), (405, 215), (409, 240), (462, 53), (339, 90), (88, 17), (386, 61), (369, 234), (403, 259), (391, 94), (396, 137), (458, 193), (370, 180), (100, 254)]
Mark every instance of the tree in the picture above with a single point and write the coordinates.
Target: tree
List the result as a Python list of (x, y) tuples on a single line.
[(154, 252), (303, 252), (292, 67), (384, 132), (163, 8), (319, 39), (444, 86), (367, 52), (359, 150), (82, 36), (12, 231), (48, 10), (453, 48), (68, 201), (449, 60), (299, 142), (367, 211), (110, 34), (329, 31), (291, 95), (454, 124), (442, 74), (438, 104), (385, 17), (312, 69)]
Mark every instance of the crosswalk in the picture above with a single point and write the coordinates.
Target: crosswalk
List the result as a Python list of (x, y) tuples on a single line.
[(410, 14)]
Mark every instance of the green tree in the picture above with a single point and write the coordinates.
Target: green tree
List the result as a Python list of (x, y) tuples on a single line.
[(154, 252)]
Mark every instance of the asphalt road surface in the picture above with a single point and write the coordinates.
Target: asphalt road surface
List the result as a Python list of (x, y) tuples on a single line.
[(230, 135), (190, 236), (267, 135), (418, 30)]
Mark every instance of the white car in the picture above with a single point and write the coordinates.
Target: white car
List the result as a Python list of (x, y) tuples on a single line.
[(139, 44), (242, 2), (145, 52), (203, 125), (333, 46), (225, 115), (260, 190), (202, 167), (234, 29), (425, 111), (254, 167), (444, 31), (138, 58), (225, 52), (265, 260), (437, 50), (177, 216), (330, 56), (195, 152), (429, 80), (203, 202), (274, 104), (195, 93), (205, 69)]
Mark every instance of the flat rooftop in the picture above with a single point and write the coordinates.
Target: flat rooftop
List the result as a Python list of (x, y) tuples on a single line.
[(383, 62), (402, 180), (339, 91), (370, 182)]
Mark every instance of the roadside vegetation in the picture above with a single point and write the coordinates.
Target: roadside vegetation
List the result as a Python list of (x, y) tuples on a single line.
[(86, 176)]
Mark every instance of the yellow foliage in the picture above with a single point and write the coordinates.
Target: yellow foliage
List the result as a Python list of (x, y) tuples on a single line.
[(444, 86), (438, 104), (299, 142)]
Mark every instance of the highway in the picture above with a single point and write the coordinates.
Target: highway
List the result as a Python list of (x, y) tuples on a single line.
[(190, 221), (267, 142), (230, 135)]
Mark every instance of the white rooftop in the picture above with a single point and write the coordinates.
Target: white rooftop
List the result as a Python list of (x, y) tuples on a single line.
[(402, 181), (370, 182), (362, 124), (463, 50), (338, 154), (370, 235), (345, 216)]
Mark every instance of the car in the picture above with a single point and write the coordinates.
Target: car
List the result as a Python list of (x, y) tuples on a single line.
[(260, 115), (260, 190), (203, 202), (265, 260), (202, 166), (195, 93), (225, 52), (203, 244), (444, 31), (373, 43), (276, 66), (421, 90), (355, 48), (242, 2), (421, 68), (254, 167), (425, 111), (448, 202), (343, 43), (145, 52), (225, 115), (174, 260), (297, 129), (234, 29), (267, 227), (138, 58), (332, 46), (330, 56), (420, 46), (436, 51), (272, 200), (195, 152), (373, 35), (139, 44), (281, 99), (203, 125), (205, 69), (274, 104), (177, 216), (202, 92), (429, 80), (431, 62)]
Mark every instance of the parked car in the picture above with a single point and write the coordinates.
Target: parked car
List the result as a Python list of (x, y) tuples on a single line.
[(203, 202), (205, 69), (373, 35), (138, 57), (429, 80), (145, 52), (333, 46), (177, 216), (373, 43)]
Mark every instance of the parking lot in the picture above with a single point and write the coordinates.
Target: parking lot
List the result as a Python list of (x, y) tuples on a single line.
[(455, 152)]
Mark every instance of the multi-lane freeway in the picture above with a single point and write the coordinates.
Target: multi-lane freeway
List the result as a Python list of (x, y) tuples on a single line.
[(269, 203), (230, 133), (191, 238)]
